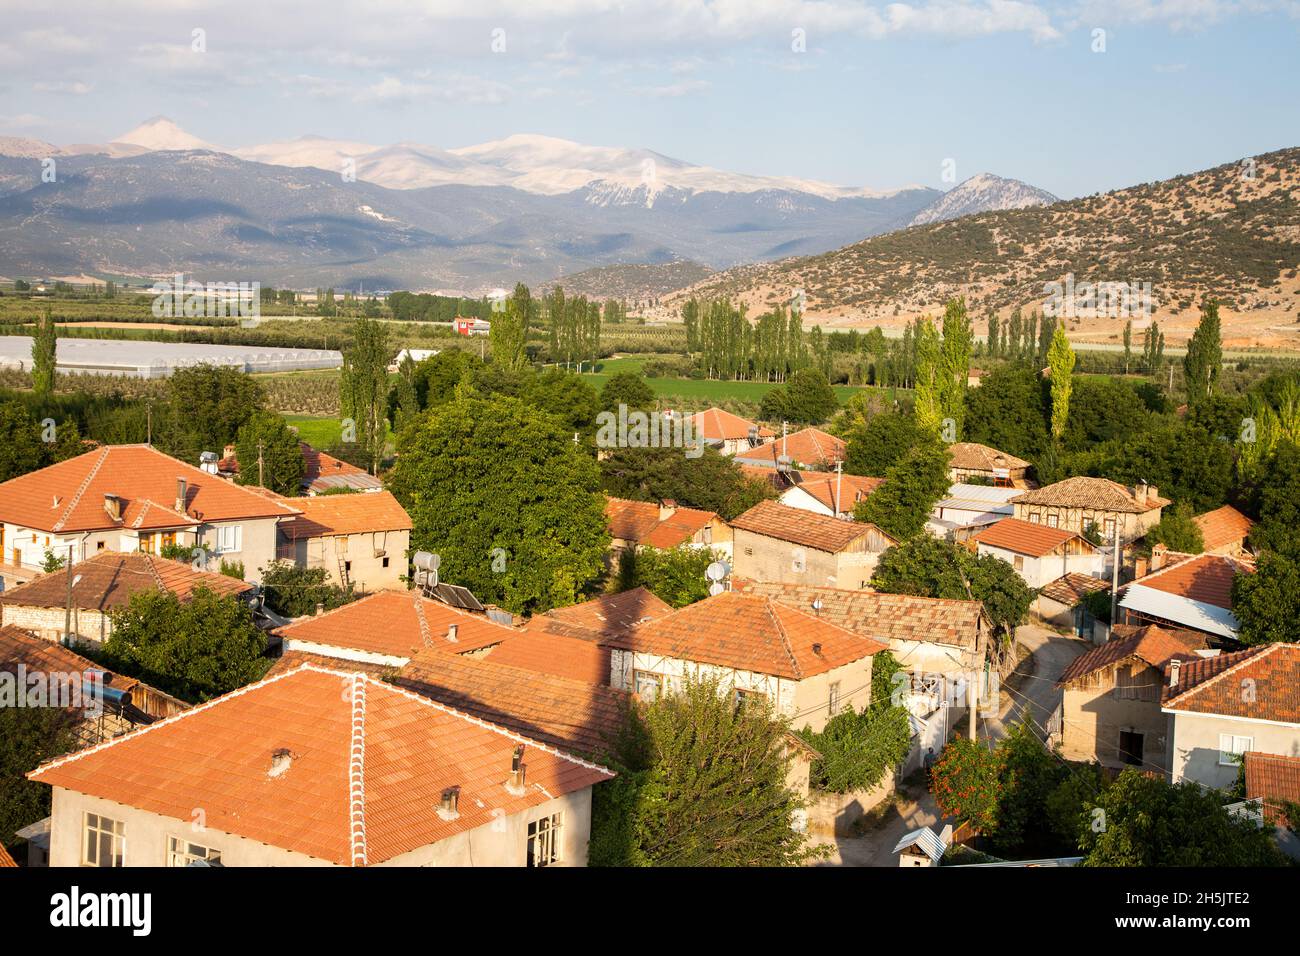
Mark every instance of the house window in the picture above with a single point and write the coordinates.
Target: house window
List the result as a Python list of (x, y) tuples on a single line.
[(148, 544), (741, 697), (104, 843), (1232, 747), (1130, 747), (183, 853), (99, 546), (229, 538), (833, 699), (1053, 520), (749, 552), (1019, 562), (544, 840), (1110, 529), (648, 685), (1035, 518), (707, 534), (385, 562)]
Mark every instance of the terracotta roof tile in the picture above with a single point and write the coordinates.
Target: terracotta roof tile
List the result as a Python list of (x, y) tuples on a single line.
[(1276, 779), (971, 456), (110, 578), (1101, 494), (69, 496), (883, 617), (354, 742), (1261, 682), (828, 488), (807, 448), (1223, 527), (393, 625), (751, 633), (1024, 537), (576, 715), (1070, 589), (716, 425), (548, 653), (1206, 578), (5, 859), (292, 660), (601, 617), (324, 515), (775, 520), (640, 522), (1151, 644)]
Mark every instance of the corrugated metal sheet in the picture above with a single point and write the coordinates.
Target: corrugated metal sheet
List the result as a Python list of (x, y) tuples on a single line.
[(1180, 610)]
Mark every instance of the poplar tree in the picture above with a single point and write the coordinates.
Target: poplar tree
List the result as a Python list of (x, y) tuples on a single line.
[(44, 350), (955, 361), (363, 387), (1204, 355), (1061, 359), (929, 373)]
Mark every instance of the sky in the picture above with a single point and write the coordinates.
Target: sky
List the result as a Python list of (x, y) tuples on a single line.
[(1073, 97)]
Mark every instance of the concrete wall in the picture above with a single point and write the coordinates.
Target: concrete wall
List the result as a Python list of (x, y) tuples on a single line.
[(502, 842), (256, 547), (1131, 526), (1195, 746), (1038, 572), (1094, 713), (366, 569), (760, 558), (92, 627)]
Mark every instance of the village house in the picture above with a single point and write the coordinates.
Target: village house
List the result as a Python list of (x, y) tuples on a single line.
[(774, 542), (728, 433), (807, 668), (1274, 782), (1110, 711), (388, 628), (967, 508), (832, 495), (130, 498), (1080, 504), (1194, 593), (1063, 603), (321, 767), (101, 584), (322, 472), (808, 448), (970, 460), (1224, 531), (1225, 706), (644, 524), (1039, 554), (360, 540)]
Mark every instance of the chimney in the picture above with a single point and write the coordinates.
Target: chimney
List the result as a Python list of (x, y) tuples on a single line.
[(666, 508), (817, 649), (448, 806), (1159, 553), (1173, 672), (320, 608), (451, 632), (516, 782), (1152, 492), (180, 495), (113, 505), (281, 761), (1140, 493)]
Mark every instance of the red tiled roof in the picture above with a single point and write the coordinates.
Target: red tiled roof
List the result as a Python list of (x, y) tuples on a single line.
[(1151, 644), (325, 515), (545, 653), (1206, 578), (750, 633), (715, 424), (639, 522), (577, 716), (767, 474), (5, 858), (1024, 537), (828, 488), (601, 617), (1260, 682), (972, 456), (1276, 779), (69, 496), (394, 624), (1101, 494), (1070, 589), (368, 763), (110, 578), (1222, 527), (822, 532), (808, 447), (292, 660), (880, 616)]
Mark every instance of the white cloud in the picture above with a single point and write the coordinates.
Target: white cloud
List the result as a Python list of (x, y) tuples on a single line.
[(73, 88), (684, 88)]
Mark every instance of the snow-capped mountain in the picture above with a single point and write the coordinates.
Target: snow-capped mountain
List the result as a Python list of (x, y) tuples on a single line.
[(982, 193)]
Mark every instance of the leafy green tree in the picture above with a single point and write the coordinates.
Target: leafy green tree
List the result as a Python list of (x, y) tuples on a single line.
[(566, 396), (954, 362), (509, 329), (29, 736), (902, 504), (674, 575), (1065, 808), (1267, 603), (709, 789), (293, 591), (206, 407), (22, 445), (269, 454), (363, 387), (1278, 496), (44, 348), (1177, 530), (1028, 775), (1060, 359), (196, 649), (964, 781), (1009, 411), (1182, 459), (477, 475), (404, 399), (806, 399), (1103, 410), (929, 379), (1144, 821), (877, 445), (626, 388), (1204, 357), (709, 482)]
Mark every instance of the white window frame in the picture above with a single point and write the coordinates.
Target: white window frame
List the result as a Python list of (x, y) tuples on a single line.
[(661, 681), (222, 534), (833, 698), (1230, 755), (93, 835), (544, 846), (181, 852)]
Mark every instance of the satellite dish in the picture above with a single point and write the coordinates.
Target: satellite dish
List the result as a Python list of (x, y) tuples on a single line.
[(817, 604), (716, 588), (716, 571)]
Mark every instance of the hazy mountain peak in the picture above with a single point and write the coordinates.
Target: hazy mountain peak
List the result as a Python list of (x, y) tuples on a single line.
[(161, 133), (983, 192)]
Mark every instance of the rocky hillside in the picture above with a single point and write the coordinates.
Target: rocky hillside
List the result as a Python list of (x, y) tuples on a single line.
[(982, 193)]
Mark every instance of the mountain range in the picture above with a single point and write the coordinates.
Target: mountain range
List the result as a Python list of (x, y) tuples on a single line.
[(314, 211)]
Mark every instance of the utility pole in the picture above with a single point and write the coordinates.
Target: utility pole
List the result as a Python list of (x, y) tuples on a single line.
[(260, 465), (67, 619), (148, 417), (1114, 578), (839, 477)]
